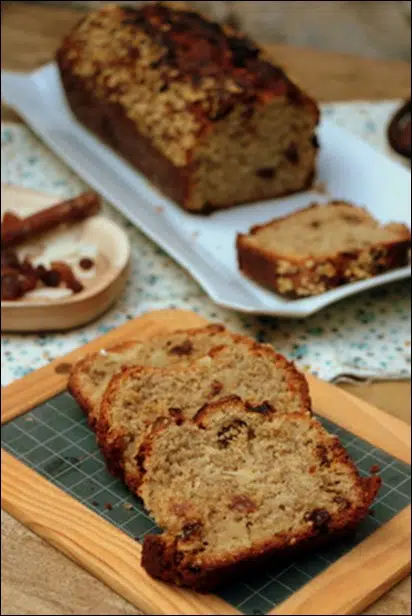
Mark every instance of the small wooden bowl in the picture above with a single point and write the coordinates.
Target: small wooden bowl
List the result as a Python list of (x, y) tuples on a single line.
[(111, 273)]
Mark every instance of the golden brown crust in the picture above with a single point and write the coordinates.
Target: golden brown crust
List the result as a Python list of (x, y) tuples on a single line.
[(153, 82), (297, 277), (161, 556)]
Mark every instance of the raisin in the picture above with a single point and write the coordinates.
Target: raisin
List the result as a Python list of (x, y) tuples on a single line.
[(177, 414), (189, 530), (86, 263), (52, 278), (315, 224), (295, 96), (41, 272), (266, 173), (182, 349), (243, 504), (76, 286), (27, 268), (9, 259), (67, 276), (292, 154), (230, 432), (263, 408), (140, 459), (242, 50), (11, 287), (194, 569), (322, 452), (319, 517)]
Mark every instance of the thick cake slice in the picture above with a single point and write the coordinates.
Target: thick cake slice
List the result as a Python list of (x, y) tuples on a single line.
[(320, 248), (239, 484), (135, 398), (90, 377)]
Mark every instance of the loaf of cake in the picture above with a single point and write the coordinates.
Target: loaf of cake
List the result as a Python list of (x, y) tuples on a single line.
[(238, 485), (137, 397), (91, 375), (320, 248), (198, 108)]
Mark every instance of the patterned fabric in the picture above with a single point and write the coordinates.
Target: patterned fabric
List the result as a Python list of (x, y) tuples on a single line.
[(365, 336)]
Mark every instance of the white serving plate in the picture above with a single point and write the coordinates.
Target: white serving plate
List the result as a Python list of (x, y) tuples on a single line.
[(97, 237), (205, 246)]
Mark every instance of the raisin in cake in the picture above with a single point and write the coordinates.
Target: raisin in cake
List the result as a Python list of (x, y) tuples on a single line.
[(198, 108)]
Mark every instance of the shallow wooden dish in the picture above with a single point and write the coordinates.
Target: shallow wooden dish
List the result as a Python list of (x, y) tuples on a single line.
[(112, 268)]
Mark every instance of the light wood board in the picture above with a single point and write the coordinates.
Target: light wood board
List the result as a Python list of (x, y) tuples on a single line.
[(376, 564)]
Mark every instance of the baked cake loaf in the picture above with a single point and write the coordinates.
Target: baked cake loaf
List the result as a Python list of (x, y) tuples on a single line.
[(237, 485), (321, 247), (196, 107), (90, 376), (137, 397)]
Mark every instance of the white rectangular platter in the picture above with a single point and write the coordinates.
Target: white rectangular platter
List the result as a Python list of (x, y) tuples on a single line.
[(205, 246)]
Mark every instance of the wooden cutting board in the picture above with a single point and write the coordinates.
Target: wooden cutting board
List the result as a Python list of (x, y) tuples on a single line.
[(376, 564)]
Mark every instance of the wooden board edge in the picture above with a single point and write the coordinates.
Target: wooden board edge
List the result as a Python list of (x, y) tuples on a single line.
[(377, 564), (94, 543), (364, 420)]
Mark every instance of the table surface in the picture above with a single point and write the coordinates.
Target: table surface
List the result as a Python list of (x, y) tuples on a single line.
[(36, 579)]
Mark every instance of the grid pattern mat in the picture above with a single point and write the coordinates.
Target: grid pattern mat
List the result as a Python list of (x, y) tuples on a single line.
[(54, 440)]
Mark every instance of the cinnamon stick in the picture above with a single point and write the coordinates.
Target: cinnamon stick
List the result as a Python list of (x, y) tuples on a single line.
[(15, 230)]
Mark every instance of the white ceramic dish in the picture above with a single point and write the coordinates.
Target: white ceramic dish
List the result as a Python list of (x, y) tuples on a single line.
[(205, 246), (96, 237)]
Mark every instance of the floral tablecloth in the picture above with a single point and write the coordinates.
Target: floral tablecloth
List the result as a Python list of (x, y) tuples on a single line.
[(365, 336)]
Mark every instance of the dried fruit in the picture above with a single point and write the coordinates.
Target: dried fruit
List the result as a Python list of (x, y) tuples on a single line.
[(319, 518)]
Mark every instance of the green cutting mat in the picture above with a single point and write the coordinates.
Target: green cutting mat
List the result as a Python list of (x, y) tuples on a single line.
[(54, 440)]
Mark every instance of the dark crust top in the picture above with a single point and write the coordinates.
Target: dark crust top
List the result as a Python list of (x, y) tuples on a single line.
[(197, 48), (174, 72)]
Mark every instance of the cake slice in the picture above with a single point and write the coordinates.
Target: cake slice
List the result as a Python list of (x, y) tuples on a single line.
[(321, 247), (90, 376), (238, 485), (138, 396)]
